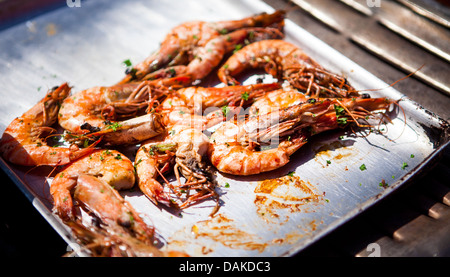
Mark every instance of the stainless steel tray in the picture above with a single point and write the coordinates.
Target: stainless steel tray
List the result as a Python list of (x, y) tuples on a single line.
[(86, 46)]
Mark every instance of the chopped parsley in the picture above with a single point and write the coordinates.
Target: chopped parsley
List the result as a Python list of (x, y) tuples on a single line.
[(138, 162), (114, 126), (383, 184), (225, 110), (237, 48), (85, 143), (404, 165), (340, 112), (127, 62), (171, 72), (342, 120), (363, 167), (129, 69), (245, 96)]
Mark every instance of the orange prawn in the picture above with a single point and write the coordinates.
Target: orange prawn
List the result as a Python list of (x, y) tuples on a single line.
[(265, 142), (23, 142), (195, 48), (286, 61)]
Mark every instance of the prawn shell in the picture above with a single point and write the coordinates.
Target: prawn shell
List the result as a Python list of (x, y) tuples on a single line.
[(237, 160), (21, 143), (134, 130)]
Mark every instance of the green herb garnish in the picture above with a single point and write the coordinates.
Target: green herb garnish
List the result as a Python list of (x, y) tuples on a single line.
[(404, 165), (127, 62), (237, 48), (114, 126), (340, 112), (225, 110), (245, 96)]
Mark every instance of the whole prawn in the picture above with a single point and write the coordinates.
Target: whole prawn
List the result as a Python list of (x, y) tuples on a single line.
[(183, 150), (195, 48), (118, 112), (24, 143), (108, 165), (286, 61), (265, 142), (115, 228)]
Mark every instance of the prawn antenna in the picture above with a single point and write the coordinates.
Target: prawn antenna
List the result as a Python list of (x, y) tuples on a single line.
[(399, 80)]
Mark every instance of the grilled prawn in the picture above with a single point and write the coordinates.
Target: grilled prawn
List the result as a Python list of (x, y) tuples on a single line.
[(286, 61), (195, 48), (265, 142), (23, 141), (108, 165), (116, 229), (183, 150), (117, 112)]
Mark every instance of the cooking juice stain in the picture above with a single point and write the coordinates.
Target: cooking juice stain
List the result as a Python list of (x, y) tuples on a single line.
[(287, 193)]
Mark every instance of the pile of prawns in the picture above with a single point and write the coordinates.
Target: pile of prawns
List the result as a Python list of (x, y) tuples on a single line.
[(157, 108)]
